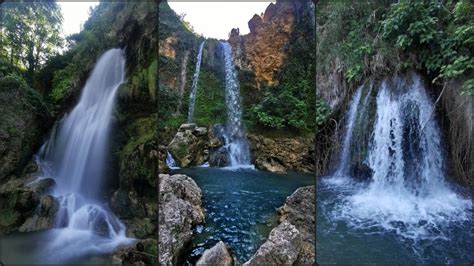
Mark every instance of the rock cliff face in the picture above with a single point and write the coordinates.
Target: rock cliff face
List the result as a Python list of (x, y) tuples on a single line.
[(263, 50), (24, 121), (180, 210)]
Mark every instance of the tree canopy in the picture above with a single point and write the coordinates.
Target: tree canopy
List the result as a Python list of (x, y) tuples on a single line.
[(30, 33)]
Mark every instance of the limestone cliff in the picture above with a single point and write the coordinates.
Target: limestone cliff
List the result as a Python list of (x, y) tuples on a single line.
[(264, 50)]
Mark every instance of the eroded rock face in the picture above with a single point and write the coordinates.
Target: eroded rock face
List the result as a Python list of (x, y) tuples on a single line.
[(262, 51), (180, 210), (282, 247), (217, 255), (189, 146), (300, 210), (282, 154)]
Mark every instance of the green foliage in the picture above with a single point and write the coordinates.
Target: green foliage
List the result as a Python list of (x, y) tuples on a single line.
[(30, 33), (142, 130), (62, 82), (380, 37), (210, 99), (290, 104), (440, 34), (323, 112)]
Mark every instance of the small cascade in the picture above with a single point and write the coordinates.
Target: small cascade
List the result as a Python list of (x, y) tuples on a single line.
[(192, 95), (407, 192), (236, 142), (75, 156), (170, 162), (342, 167)]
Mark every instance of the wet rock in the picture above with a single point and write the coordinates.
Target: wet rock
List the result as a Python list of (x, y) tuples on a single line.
[(43, 186), (44, 217), (282, 153), (217, 255), (18, 202), (361, 171), (282, 247), (219, 157), (142, 253), (299, 209), (141, 228), (189, 146), (180, 210), (270, 164)]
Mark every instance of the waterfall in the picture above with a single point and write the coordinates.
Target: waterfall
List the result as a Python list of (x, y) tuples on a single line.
[(75, 155), (170, 162), (351, 116), (192, 95), (236, 142), (407, 193)]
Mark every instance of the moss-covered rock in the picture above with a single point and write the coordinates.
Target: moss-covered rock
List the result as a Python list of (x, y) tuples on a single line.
[(25, 119)]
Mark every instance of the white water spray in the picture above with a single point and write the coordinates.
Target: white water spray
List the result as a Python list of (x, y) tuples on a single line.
[(75, 156), (234, 135), (408, 193), (192, 95)]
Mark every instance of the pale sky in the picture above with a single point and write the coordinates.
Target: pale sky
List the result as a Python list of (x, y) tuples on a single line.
[(74, 15), (216, 19)]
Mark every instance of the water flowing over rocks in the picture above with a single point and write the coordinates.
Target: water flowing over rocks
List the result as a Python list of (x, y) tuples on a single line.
[(180, 210), (217, 255)]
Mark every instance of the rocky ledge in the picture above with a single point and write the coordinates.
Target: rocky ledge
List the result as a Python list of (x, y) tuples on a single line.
[(180, 210), (292, 242), (283, 153), (25, 207)]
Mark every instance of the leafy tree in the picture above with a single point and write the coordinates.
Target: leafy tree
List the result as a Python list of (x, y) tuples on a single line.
[(30, 33)]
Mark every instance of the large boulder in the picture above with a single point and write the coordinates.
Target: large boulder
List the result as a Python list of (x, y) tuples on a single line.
[(189, 146), (179, 212), (24, 207), (217, 255), (292, 241), (44, 216), (281, 248), (299, 209)]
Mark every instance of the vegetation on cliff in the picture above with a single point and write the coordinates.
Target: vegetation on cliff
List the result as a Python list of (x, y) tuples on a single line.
[(376, 39)]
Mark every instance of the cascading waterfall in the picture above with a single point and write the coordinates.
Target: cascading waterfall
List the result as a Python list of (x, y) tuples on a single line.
[(192, 95), (170, 162), (407, 193), (351, 116), (236, 142), (75, 156)]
